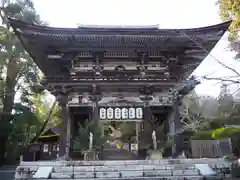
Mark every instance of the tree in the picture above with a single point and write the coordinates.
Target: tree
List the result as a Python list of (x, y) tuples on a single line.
[(81, 142), (24, 124), (204, 112), (191, 110), (18, 72), (229, 9), (50, 116), (226, 102)]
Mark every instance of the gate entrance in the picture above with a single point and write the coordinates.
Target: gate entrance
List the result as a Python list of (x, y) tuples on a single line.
[(123, 129), (119, 73), (122, 140)]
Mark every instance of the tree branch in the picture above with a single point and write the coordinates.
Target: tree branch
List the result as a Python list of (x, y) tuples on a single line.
[(222, 79), (227, 67)]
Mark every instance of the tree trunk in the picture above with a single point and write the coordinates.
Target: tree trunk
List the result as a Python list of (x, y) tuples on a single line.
[(8, 103)]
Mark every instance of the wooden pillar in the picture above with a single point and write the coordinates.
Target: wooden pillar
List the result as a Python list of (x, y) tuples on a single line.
[(65, 133), (137, 134), (174, 129), (102, 128), (68, 136)]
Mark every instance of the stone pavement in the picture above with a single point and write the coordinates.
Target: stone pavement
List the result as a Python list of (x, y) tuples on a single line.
[(172, 169), (7, 173)]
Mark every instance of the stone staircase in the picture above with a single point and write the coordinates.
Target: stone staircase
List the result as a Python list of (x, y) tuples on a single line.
[(167, 169)]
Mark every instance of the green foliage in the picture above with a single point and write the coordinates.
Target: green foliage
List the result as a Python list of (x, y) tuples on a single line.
[(18, 73), (224, 133), (215, 124), (202, 135), (41, 109), (229, 9), (127, 130), (81, 142), (166, 146), (24, 124), (217, 134)]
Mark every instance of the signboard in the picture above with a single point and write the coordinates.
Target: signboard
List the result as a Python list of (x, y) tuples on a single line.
[(121, 113), (134, 147)]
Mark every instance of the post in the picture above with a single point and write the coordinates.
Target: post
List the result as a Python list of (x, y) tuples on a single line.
[(154, 140), (90, 141), (65, 133), (21, 159), (137, 135), (174, 129), (103, 130), (68, 137)]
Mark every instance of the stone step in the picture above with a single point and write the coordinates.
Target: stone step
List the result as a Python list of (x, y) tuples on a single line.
[(123, 167), (119, 167), (110, 168), (147, 178), (168, 169), (123, 162), (124, 173)]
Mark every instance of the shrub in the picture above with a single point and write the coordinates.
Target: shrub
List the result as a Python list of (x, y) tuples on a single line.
[(81, 141), (202, 135), (224, 133), (217, 134)]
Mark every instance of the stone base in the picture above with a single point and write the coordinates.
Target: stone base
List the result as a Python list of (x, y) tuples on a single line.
[(91, 156), (172, 169), (155, 155)]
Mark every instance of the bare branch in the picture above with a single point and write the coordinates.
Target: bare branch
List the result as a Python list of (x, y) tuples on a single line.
[(222, 79), (227, 67)]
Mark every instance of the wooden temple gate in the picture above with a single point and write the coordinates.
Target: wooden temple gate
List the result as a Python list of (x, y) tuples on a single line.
[(148, 65)]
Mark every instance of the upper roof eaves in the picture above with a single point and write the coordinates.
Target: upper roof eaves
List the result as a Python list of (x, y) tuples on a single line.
[(26, 27)]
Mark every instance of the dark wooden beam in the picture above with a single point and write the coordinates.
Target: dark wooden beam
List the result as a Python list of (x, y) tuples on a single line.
[(112, 73), (113, 90), (112, 83)]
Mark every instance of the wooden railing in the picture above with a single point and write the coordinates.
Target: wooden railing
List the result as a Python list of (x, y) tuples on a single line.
[(211, 148)]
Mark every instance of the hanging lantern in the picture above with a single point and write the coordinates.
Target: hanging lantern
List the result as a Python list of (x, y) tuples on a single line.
[(110, 113), (131, 113), (139, 113), (124, 113), (117, 113), (102, 113)]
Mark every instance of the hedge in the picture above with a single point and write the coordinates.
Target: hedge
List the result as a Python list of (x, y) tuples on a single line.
[(202, 135), (220, 133), (223, 133)]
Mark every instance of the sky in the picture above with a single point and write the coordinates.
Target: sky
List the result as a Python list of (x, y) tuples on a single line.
[(165, 13)]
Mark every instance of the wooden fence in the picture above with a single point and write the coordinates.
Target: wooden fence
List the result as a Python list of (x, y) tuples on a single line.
[(211, 148)]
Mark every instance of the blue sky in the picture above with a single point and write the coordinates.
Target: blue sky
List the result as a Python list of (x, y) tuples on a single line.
[(165, 13)]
